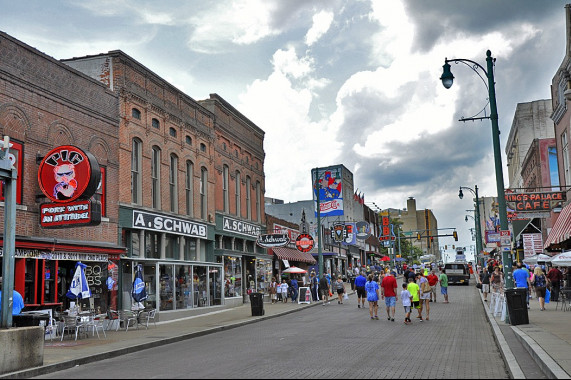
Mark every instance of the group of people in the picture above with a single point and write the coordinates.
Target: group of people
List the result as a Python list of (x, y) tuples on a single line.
[(280, 292), (418, 290)]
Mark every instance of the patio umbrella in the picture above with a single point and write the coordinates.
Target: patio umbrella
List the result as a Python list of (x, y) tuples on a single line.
[(79, 287), (400, 259), (534, 259), (139, 291), (385, 258), (294, 270), (563, 259)]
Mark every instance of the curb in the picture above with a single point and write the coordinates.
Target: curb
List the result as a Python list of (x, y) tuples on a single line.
[(37, 371)]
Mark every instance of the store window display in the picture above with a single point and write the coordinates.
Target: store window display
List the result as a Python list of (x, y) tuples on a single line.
[(166, 287), (232, 277)]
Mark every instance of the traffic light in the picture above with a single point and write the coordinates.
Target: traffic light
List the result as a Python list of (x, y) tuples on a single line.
[(418, 236), (455, 234), (445, 247), (432, 239)]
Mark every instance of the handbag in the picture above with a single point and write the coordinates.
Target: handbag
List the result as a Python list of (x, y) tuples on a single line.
[(425, 287), (547, 295), (345, 296), (479, 285)]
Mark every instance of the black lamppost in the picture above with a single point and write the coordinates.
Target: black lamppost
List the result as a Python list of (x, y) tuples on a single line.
[(476, 219), (447, 80)]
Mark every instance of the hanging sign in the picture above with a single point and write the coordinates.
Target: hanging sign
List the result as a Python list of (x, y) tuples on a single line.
[(272, 240), (304, 243), (73, 214)]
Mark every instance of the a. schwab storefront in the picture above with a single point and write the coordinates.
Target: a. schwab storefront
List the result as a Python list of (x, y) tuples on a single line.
[(177, 258), (247, 266)]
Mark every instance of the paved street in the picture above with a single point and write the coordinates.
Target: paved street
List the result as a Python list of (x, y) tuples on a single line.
[(333, 341)]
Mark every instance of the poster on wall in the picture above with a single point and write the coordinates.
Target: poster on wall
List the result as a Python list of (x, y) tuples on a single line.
[(328, 186), (532, 245)]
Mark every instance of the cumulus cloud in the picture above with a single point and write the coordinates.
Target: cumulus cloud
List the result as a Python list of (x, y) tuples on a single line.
[(321, 23)]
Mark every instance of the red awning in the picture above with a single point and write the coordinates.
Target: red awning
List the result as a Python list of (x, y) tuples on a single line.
[(561, 231), (291, 254)]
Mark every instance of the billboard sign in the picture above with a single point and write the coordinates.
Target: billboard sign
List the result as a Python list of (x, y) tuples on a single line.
[(328, 184)]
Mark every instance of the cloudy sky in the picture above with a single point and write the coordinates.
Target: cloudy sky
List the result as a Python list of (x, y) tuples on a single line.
[(352, 82)]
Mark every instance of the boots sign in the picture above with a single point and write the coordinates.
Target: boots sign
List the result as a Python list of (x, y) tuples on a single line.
[(69, 177)]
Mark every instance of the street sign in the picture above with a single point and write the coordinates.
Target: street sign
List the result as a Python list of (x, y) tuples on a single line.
[(505, 238)]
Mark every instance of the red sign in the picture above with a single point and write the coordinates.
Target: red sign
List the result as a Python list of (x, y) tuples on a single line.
[(72, 214), (67, 173), (535, 201), (304, 243)]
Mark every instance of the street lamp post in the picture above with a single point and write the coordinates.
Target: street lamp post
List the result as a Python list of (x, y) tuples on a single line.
[(447, 80), (479, 247)]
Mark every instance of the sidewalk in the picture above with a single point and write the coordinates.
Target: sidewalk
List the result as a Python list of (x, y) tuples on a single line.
[(547, 338)]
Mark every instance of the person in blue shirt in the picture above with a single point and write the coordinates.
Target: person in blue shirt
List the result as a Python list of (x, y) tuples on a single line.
[(360, 282), (17, 301), (521, 279), (372, 288), (294, 289)]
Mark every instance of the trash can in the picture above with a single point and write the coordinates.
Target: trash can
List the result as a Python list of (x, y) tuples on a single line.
[(29, 319), (516, 300), (257, 303)]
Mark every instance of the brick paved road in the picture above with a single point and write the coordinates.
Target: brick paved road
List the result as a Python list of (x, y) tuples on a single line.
[(333, 341)]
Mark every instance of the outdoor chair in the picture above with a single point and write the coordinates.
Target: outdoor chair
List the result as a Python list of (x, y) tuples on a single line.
[(72, 324), (95, 322), (126, 317), (146, 316), (112, 318)]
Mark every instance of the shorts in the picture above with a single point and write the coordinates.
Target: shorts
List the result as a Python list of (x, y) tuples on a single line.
[(485, 288), (407, 309), (444, 290), (433, 290), (425, 296), (274, 296), (361, 292), (323, 293), (540, 291), (416, 304), (390, 301), (340, 291), (372, 298)]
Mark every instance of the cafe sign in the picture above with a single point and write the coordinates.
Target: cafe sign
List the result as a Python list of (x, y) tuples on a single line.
[(272, 240), (532, 202)]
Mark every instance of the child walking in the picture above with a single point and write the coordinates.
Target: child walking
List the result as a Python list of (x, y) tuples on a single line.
[(406, 298)]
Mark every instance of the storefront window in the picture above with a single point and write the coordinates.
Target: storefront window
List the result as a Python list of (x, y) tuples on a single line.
[(112, 284), (200, 291), (232, 276), (171, 248), (135, 243), (264, 274), (149, 275), (190, 249), (183, 287), (215, 285), (166, 287), (152, 245)]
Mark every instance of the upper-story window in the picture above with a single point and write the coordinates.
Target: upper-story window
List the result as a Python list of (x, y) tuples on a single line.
[(173, 182), (189, 140), (102, 190), (202, 147), (248, 198), (225, 185), (172, 132), (203, 193), (156, 177), (189, 188), (238, 194), (156, 123), (224, 146), (565, 155), (17, 150), (258, 201), (136, 169), (136, 113)]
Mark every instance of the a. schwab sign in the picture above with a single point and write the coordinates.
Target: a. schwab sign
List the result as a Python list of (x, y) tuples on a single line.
[(240, 227), (163, 223)]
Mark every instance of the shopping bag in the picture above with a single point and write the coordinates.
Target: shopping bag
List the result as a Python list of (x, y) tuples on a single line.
[(345, 296), (547, 295)]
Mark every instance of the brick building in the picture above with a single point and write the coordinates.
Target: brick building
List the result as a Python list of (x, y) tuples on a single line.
[(45, 104)]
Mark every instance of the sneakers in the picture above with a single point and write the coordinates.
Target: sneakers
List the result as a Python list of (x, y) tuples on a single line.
[(373, 318), (392, 319), (422, 320), (376, 317), (358, 306), (389, 318)]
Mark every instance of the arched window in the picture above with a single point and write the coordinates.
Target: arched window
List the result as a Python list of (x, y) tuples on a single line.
[(225, 185), (136, 162), (136, 114), (203, 193), (189, 188), (188, 140), (238, 194), (173, 182), (156, 177), (172, 132), (155, 123), (248, 198), (202, 147), (258, 201)]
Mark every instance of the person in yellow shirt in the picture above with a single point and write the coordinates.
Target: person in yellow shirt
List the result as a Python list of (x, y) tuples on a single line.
[(414, 291)]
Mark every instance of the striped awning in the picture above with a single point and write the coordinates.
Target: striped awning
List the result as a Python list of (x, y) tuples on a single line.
[(561, 231), (290, 254)]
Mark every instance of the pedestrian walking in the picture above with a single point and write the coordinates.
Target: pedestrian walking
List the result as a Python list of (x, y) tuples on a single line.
[(497, 280), (555, 276), (521, 279), (389, 294), (294, 286), (324, 289), (540, 282), (284, 286), (314, 286), (433, 282), (340, 288), (372, 288), (360, 282), (425, 292), (414, 290), (485, 280), (444, 284), (406, 298), (273, 290)]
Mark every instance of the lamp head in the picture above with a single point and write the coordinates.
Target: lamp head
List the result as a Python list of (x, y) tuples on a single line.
[(460, 194), (466, 218), (447, 78)]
